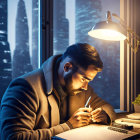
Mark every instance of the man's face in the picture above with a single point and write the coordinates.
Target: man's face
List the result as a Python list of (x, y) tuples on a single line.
[(76, 82)]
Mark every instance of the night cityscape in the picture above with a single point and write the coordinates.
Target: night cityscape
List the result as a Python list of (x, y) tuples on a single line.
[(106, 84), (21, 62)]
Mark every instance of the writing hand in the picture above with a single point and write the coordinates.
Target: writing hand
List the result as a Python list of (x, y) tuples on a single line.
[(98, 115), (81, 117)]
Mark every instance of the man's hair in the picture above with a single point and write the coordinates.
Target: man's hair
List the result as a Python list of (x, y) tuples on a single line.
[(84, 55)]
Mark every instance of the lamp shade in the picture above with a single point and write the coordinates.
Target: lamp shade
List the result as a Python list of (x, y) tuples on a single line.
[(108, 30)]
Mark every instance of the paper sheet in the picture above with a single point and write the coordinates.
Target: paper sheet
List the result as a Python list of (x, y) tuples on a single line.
[(134, 116), (94, 132)]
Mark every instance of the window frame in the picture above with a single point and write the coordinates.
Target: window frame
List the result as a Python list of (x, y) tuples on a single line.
[(46, 30), (127, 56)]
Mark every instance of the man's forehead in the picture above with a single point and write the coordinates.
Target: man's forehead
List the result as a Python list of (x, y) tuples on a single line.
[(89, 73)]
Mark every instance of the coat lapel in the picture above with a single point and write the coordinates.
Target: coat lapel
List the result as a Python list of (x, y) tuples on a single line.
[(48, 73), (55, 116)]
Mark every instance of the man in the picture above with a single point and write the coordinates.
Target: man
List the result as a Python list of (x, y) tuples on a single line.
[(51, 100)]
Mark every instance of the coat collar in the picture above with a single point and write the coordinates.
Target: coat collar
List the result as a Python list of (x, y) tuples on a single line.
[(47, 67)]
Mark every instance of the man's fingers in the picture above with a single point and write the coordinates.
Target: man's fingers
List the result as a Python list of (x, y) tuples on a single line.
[(82, 121), (100, 118), (97, 117), (83, 114), (81, 117), (85, 109), (96, 111), (87, 118)]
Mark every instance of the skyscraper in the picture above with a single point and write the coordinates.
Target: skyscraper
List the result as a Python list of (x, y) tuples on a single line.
[(5, 53), (35, 36), (87, 14), (21, 57), (61, 27)]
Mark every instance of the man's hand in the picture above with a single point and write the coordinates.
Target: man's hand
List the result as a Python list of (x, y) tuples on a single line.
[(98, 115), (81, 117)]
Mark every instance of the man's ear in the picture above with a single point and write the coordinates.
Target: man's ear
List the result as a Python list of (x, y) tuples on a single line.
[(67, 66)]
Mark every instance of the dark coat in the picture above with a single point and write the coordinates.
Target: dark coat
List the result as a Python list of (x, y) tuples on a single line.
[(29, 110)]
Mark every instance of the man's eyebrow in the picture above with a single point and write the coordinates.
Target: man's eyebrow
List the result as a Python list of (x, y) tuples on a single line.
[(87, 78)]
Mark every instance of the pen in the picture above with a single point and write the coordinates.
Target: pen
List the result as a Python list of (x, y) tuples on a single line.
[(88, 101)]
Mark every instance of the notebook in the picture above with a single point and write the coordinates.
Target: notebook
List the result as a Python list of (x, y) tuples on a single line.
[(96, 132)]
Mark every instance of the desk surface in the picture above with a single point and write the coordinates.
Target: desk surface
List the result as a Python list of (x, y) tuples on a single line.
[(98, 132), (94, 132)]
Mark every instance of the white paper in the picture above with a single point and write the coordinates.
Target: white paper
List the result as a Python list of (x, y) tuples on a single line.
[(94, 132)]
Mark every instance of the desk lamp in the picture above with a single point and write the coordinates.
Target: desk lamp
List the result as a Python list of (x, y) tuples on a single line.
[(109, 30)]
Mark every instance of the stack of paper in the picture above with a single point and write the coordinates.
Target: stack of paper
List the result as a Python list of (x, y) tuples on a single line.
[(135, 116), (131, 119)]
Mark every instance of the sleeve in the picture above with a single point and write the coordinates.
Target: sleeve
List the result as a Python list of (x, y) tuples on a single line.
[(19, 107), (97, 102)]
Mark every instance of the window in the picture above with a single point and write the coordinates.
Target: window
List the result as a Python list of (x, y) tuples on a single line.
[(18, 39), (72, 21)]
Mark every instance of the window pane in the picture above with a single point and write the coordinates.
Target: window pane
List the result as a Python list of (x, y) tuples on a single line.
[(72, 21), (18, 39)]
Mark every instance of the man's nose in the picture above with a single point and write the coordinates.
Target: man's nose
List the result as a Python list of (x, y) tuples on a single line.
[(85, 86)]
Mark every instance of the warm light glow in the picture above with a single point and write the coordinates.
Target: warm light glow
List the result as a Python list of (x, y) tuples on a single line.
[(107, 34)]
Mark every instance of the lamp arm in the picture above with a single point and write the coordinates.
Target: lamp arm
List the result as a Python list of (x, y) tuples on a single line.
[(123, 23), (130, 32)]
